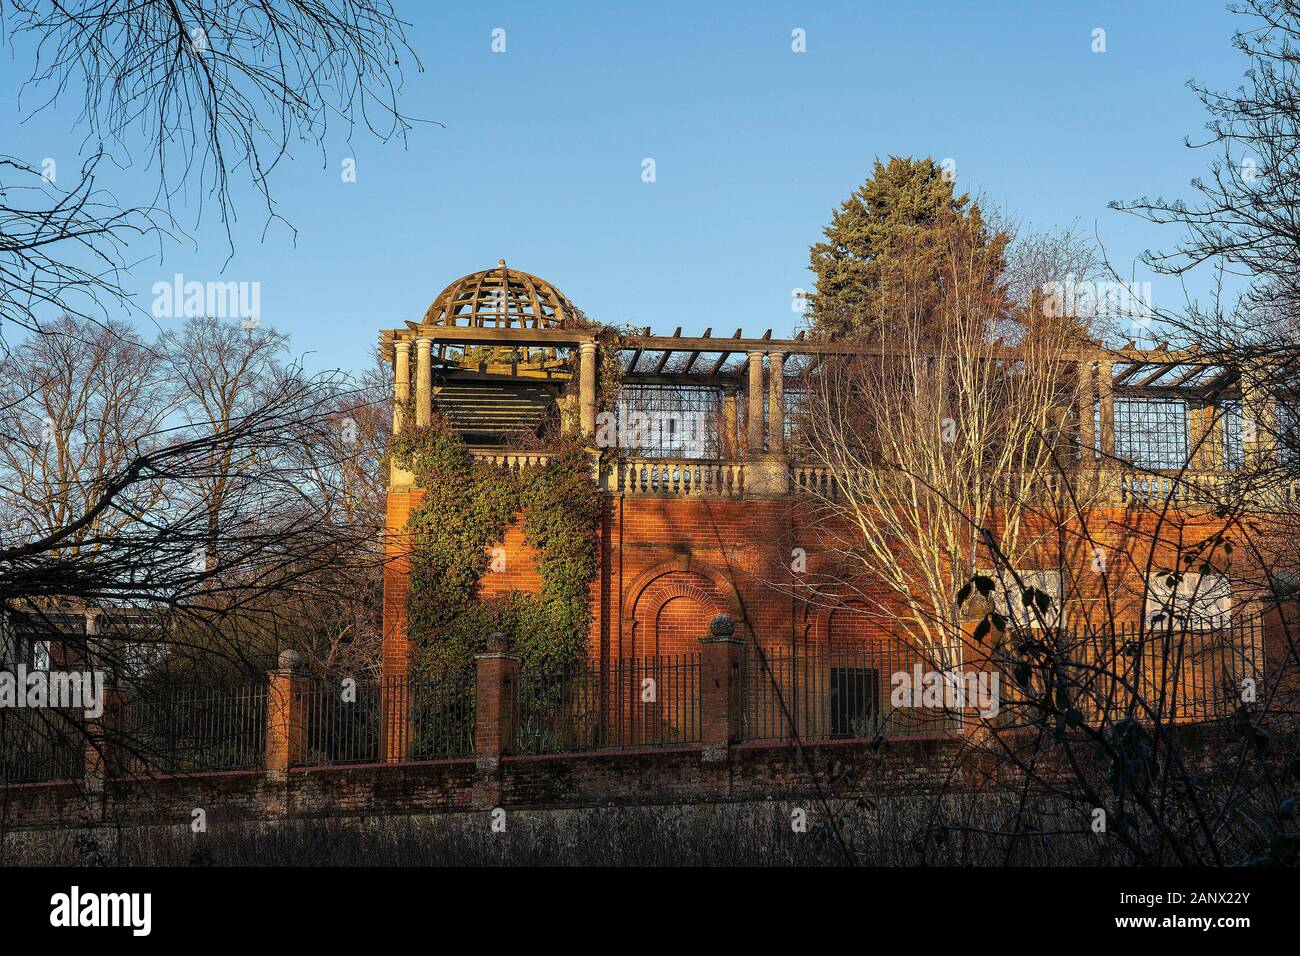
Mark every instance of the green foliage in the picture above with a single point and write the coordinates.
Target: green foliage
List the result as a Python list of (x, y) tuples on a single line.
[(467, 509), (888, 247)]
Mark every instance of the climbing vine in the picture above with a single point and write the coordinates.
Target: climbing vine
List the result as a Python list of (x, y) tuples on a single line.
[(469, 505)]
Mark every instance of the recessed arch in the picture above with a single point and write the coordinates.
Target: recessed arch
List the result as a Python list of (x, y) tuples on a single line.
[(668, 607)]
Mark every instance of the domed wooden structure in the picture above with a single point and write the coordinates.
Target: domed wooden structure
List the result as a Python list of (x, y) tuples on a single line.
[(494, 353), (500, 298)]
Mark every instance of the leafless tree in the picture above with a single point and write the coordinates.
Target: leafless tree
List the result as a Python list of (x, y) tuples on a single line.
[(952, 426), (62, 252), (190, 505), (78, 401), (212, 87)]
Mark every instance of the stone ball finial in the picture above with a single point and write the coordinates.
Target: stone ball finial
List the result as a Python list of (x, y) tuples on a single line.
[(724, 625), (290, 660), (1286, 584), (498, 643)]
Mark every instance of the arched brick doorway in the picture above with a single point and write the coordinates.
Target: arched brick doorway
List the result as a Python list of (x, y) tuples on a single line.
[(668, 608), (655, 673), (673, 615)]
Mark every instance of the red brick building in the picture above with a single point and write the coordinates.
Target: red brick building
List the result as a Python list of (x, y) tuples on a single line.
[(713, 518)]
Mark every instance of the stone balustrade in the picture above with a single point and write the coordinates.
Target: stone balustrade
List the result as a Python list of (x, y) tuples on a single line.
[(734, 479), (812, 479), (684, 478), (513, 460)]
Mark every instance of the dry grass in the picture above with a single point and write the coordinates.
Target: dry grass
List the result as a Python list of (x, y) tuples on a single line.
[(966, 830)]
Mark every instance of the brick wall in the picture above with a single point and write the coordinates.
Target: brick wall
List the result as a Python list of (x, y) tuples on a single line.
[(685, 775), (667, 565), (644, 777)]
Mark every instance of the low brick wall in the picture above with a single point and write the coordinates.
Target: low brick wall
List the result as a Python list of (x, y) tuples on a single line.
[(602, 778)]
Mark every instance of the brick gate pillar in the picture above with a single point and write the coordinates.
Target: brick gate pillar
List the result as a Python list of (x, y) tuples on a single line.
[(496, 672), (1281, 627), (104, 753), (720, 688), (286, 716)]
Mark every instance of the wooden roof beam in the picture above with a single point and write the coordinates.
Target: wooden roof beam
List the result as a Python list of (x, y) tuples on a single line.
[(1159, 373), (1187, 376), (695, 355), (1123, 377)]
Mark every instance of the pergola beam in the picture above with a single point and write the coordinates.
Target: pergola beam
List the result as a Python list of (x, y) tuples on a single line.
[(441, 336)]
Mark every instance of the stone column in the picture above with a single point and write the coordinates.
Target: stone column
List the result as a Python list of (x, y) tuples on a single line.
[(568, 414), (1087, 434), (1201, 437), (720, 660), (423, 381), (286, 717), (730, 437), (587, 388), (1106, 398), (401, 381), (1258, 418), (754, 422), (776, 404)]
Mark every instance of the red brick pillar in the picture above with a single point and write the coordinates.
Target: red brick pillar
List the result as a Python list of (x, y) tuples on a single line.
[(720, 688), (1281, 628), (286, 716), (395, 730), (104, 754), (496, 671)]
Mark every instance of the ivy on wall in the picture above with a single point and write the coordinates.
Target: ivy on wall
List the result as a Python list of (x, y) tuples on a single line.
[(467, 509)]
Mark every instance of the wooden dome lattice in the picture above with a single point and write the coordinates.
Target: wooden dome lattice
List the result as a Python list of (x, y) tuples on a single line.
[(500, 298)]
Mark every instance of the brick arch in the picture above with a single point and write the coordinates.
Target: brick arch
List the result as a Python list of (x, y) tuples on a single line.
[(844, 632), (848, 624), (845, 622), (668, 607)]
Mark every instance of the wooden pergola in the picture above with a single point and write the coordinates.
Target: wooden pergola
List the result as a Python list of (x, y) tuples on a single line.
[(514, 316)]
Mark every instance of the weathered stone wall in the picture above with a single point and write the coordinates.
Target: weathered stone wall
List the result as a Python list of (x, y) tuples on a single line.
[(623, 778)]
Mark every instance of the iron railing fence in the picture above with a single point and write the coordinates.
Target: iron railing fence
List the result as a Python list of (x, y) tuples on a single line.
[(428, 718), (835, 692), (41, 745), (1160, 672), (342, 718), (190, 729), (1153, 673), (632, 702), (394, 719)]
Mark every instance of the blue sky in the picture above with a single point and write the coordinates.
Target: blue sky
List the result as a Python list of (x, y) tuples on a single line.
[(540, 157)]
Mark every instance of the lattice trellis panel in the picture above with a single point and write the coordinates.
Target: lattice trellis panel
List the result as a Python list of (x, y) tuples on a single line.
[(1151, 432), (671, 421)]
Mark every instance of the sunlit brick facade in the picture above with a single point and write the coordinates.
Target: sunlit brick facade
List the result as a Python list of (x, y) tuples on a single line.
[(712, 529)]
